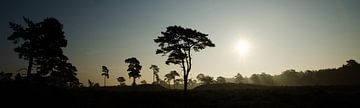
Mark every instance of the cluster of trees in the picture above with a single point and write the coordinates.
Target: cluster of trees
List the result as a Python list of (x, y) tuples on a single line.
[(41, 45), (134, 69), (345, 75), (205, 79), (171, 76), (178, 43)]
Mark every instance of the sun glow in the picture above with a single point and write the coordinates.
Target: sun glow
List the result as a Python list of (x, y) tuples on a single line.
[(243, 47)]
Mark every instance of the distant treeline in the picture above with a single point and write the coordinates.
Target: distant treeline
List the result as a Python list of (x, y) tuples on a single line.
[(348, 74)]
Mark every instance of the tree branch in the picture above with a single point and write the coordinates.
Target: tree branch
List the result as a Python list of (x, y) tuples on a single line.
[(189, 61)]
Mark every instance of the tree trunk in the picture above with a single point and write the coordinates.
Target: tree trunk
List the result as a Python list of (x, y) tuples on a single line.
[(174, 84), (134, 80), (185, 82), (169, 85), (185, 76), (104, 81), (29, 67)]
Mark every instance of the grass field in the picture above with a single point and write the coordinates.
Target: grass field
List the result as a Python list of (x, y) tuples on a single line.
[(207, 96)]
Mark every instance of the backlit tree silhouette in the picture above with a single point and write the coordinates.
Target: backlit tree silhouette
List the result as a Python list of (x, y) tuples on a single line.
[(133, 68), (178, 43)]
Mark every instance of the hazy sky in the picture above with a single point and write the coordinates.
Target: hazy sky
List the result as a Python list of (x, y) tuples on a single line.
[(282, 34)]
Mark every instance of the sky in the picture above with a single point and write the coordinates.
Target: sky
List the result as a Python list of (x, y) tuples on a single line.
[(280, 34)]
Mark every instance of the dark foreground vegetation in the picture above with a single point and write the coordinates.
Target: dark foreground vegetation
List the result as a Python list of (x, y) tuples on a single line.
[(211, 96)]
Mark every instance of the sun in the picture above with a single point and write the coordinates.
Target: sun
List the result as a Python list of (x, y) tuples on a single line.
[(243, 47)]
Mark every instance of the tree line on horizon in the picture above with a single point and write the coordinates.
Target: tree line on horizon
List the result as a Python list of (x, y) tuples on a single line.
[(347, 74), (344, 75)]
